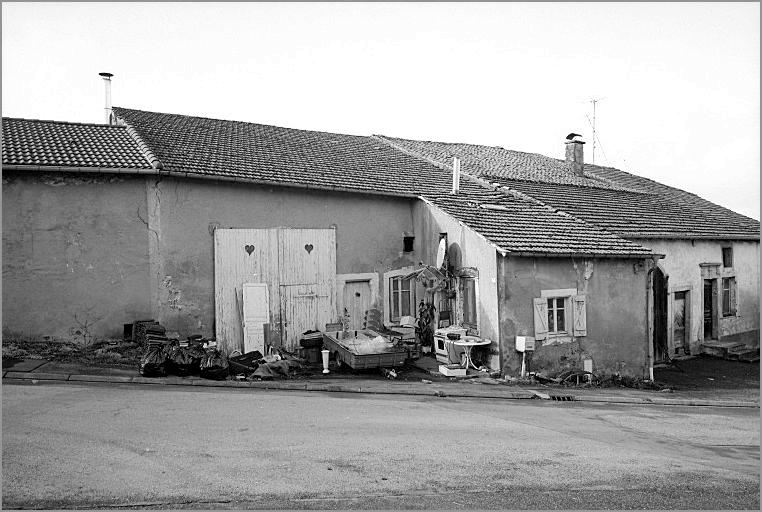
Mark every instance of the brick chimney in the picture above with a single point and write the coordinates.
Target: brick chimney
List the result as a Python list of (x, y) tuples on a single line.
[(575, 153)]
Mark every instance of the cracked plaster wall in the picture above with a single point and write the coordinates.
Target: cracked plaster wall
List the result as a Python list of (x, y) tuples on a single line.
[(75, 255), (615, 292), (681, 264), (184, 214)]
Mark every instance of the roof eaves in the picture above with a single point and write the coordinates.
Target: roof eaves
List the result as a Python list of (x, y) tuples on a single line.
[(601, 255), (686, 236), (70, 168), (190, 174)]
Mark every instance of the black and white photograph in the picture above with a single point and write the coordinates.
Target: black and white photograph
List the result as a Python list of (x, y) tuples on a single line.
[(380, 255)]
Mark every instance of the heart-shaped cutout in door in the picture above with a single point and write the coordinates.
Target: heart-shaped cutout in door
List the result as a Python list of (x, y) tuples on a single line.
[(249, 249), (308, 248)]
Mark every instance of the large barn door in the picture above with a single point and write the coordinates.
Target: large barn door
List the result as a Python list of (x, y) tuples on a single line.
[(241, 256), (280, 258), (308, 281)]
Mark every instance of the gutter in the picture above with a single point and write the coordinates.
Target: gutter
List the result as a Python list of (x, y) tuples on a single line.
[(530, 254), (685, 236), (193, 174)]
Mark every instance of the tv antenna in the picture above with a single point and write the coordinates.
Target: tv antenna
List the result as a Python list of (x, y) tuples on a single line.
[(594, 101)]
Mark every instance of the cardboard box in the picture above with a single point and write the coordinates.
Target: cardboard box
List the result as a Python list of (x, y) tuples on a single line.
[(452, 370)]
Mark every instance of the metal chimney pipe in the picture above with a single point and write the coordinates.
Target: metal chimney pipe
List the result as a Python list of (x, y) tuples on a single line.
[(455, 175), (107, 83)]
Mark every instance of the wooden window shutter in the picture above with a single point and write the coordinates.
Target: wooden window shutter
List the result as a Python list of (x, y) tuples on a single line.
[(733, 297), (580, 315), (540, 319)]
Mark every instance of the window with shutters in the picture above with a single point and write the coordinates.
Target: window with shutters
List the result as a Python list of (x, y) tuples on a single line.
[(560, 316), (729, 306)]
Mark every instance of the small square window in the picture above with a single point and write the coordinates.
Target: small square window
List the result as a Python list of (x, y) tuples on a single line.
[(727, 257), (407, 243)]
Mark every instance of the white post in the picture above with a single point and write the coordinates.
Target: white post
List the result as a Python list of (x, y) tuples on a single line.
[(455, 175), (107, 83), (325, 360)]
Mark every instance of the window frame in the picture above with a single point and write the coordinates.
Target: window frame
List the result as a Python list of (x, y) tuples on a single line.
[(462, 288), (729, 249), (727, 300), (567, 295), (396, 297), (565, 309), (388, 276)]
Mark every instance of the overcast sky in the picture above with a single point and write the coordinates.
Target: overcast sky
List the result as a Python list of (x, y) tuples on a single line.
[(679, 84)]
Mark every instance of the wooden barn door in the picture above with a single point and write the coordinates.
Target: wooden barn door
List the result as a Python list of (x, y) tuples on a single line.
[(241, 256), (307, 281), (299, 268)]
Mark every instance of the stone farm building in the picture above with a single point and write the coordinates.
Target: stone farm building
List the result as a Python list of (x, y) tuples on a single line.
[(165, 216)]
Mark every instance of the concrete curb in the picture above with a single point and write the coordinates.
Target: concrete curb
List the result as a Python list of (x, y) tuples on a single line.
[(666, 401), (380, 389), (35, 376)]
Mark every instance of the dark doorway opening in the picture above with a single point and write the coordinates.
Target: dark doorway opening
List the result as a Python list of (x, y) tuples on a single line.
[(710, 307), (660, 316)]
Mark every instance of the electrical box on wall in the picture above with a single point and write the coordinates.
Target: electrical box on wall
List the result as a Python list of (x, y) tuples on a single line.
[(524, 343)]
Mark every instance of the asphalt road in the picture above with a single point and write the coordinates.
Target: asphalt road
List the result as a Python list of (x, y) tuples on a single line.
[(108, 446)]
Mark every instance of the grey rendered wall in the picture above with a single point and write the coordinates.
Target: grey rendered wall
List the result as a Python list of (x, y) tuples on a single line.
[(184, 213), (617, 329), (75, 255)]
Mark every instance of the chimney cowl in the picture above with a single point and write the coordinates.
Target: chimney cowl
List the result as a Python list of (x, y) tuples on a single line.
[(575, 153)]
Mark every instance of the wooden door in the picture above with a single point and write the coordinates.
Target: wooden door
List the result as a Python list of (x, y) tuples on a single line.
[(356, 300), (241, 256), (710, 286), (255, 306), (678, 321), (298, 312), (307, 274)]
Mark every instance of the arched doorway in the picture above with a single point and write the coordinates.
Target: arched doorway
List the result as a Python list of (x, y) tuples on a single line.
[(661, 351)]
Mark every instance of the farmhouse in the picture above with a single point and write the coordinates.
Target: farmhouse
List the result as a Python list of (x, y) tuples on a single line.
[(166, 216), (705, 290)]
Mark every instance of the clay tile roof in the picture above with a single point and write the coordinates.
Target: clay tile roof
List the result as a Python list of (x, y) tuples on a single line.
[(519, 225), (622, 203), (493, 161), (54, 143), (285, 156)]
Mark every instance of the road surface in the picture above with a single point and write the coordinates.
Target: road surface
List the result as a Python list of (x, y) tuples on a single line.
[(108, 446)]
